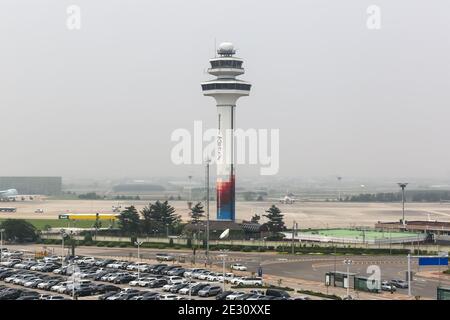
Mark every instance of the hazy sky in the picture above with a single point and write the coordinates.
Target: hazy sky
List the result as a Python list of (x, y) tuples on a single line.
[(103, 101)]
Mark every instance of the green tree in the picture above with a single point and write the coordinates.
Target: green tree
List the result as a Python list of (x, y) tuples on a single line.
[(196, 213), (129, 221), (150, 220), (18, 230), (159, 216), (275, 223)]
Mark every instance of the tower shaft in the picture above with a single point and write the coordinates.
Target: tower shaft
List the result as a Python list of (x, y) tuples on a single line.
[(225, 183), (226, 90)]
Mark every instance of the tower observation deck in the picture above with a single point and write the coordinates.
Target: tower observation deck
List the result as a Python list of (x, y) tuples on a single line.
[(226, 89)]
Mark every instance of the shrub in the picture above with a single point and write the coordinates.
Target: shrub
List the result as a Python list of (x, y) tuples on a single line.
[(123, 245), (88, 237), (170, 242), (100, 244)]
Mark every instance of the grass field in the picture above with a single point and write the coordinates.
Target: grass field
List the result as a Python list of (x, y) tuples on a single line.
[(41, 224), (355, 234)]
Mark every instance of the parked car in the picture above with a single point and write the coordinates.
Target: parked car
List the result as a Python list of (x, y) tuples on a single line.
[(210, 291), (387, 286), (399, 283), (234, 295), (175, 280), (176, 288), (239, 267), (223, 295), (249, 281), (157, 283), (277, 293), (164, 257), (168, 297), (185, 290), (199, 286)]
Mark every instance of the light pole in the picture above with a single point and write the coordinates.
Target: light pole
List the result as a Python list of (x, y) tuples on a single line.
[(348, 262), (63, 234), (1, 244), (190, 193), (403, 186), (190, 287), (339, 187), (223, 256), (138, 243), (293, 236), (207, 210)]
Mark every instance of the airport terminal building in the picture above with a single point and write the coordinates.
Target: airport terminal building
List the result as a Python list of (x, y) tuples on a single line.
[(48, 186)]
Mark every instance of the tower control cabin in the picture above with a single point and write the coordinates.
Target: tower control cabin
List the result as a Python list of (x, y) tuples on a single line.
[(226, 89)]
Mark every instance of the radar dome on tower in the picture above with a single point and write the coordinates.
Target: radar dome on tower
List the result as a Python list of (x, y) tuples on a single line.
[(226, 48)]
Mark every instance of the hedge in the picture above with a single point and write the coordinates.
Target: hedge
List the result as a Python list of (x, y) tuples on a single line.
[(320, 294)]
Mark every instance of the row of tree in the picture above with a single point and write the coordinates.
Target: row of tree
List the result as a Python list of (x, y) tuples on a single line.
[(160, 217), (155, 218)]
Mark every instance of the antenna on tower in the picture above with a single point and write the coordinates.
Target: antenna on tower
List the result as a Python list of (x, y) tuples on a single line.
[(215, 47)]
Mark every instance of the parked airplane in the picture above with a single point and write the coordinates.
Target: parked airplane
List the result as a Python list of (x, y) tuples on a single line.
[(287, 199), (8, 195)]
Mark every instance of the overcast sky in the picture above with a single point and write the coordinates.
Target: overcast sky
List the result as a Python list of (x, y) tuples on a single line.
[(102, 102)]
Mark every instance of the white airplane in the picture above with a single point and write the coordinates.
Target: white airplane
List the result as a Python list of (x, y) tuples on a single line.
[(287, 199), (8, 195)]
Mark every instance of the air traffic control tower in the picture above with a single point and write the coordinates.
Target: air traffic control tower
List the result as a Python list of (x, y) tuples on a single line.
[(226, 89)]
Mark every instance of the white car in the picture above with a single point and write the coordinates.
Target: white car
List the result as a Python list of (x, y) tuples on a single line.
[(234, 295), (167, 287), (185, 290), (39, 211), (249, 281), (58, 286), (168, 297), (175, 280), (63, 288), (239, 267), (134, 282), (87, 260), (235, 280), (212, 277), (145, 282), (229, 276), (199, 273), (55, 298), (204, 275), (52, 259), (164, 257)]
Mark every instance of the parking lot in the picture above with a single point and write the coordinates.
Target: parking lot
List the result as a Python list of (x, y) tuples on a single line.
[(23, 277)]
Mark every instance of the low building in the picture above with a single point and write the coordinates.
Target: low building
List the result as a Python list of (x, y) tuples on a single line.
[(242, 230), (48, 186), (434, 227)]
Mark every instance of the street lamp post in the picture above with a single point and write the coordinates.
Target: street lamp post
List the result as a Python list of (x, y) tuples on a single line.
[(348, 262), (62, 247), (207, 210), (138, 243), (403, 185), (190, 287), (223, 256)]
